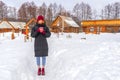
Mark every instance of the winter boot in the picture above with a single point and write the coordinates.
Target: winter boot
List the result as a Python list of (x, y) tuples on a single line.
[(43, 71), (39, 71)]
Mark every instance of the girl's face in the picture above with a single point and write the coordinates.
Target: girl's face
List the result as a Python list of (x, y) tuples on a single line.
[(40, 22)]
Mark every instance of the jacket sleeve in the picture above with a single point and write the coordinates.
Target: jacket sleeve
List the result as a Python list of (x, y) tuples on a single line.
[(48, 33), (34, 32)]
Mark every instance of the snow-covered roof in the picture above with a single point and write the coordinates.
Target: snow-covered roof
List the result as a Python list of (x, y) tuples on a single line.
[(18, 24), (70, 21), (4, 24)]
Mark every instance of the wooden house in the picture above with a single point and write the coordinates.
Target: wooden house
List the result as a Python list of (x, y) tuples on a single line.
[(101, 26), (10, 26), (6, 26), (18, 26), (64, 24)]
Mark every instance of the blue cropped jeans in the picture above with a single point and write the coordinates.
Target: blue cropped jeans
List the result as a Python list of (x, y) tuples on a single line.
[(38, 59)]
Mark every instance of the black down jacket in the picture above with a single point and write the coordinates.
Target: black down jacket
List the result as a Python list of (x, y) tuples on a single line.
[(40, 44)]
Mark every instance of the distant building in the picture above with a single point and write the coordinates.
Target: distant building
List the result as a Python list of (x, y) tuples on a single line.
[(6, 26), (18, 24), (101, 26), (64, 24)]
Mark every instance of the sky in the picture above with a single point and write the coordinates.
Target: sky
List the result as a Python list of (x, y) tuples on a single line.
[(68, 4)]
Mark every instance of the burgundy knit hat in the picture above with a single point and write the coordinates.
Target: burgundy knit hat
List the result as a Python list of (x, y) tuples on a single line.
[(40, 17)]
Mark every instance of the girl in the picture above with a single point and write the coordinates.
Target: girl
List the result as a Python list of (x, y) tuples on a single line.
[(40, 32)]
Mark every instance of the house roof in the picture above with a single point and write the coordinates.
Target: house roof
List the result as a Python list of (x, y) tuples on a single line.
[(96, 23), (5, 24), (68, 20), (18, 24)]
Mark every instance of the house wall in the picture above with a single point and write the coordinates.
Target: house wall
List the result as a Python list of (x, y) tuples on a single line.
[(66, 29), (98, 26), (9, 30), (102, 29)]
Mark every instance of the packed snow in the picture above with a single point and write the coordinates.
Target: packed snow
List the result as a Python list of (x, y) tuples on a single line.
[(71, 57)]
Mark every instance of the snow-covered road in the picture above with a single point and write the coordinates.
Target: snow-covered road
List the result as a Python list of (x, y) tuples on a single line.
[(96, 58)]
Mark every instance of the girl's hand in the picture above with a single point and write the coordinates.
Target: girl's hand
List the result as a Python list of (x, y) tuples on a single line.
[(41, 29)]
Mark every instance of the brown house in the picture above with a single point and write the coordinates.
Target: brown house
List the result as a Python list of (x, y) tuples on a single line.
[(100, 26), (64, 24), (6, 26)]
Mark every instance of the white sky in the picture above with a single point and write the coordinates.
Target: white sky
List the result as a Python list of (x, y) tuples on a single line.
[(68, 4)]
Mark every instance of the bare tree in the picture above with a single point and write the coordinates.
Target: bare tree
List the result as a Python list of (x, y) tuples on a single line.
[(60, 9), (42, 10), (76, 10), (32, 9), (88, 12), (39, 11), (3, 10), (94, 15), (22, 12), (12, 14), (116, 9), (49, 16), (55, 7), (111, 11), (27, 11), (49, 13), (82, 11), (107, 11), (102, 14)]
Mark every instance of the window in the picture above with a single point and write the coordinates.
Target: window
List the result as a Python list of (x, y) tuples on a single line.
[(109, 29), (92, 29)]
